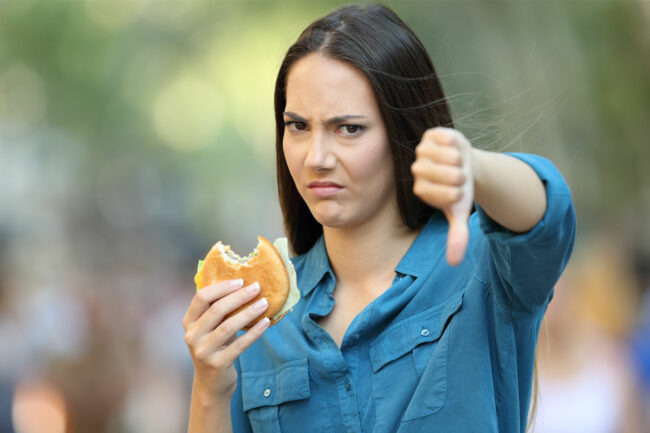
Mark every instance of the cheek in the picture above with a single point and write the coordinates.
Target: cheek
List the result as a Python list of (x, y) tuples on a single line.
[(373, 164)]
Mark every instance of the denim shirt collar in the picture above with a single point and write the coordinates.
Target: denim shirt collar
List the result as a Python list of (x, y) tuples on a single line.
[(428, 246)]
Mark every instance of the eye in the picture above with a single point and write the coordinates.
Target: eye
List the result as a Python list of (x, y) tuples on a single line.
[(297, 126), (352, 130)]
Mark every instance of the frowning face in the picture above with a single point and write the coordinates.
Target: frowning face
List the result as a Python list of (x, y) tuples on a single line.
[(335, 143)]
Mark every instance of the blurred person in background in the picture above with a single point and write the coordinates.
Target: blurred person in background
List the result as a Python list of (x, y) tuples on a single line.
[(388, 335), (640, 335), (587, 379)]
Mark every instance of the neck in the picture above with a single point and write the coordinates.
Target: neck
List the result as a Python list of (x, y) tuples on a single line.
[(366, 256)]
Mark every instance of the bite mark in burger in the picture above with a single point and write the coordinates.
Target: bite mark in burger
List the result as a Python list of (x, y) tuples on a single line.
[(268, 264)]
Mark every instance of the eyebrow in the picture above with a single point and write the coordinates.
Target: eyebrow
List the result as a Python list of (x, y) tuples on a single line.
[(335, 119)]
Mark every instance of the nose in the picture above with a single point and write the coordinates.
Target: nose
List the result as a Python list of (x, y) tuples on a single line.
[(320, 156)]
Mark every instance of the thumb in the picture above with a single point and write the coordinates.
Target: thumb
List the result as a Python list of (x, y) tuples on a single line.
[(457, 238)]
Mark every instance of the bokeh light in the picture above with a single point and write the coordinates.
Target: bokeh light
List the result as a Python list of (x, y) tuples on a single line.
[(135, 134), (188, 113)]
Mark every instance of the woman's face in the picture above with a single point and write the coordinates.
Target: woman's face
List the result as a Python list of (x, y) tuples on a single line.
[(336, 145)]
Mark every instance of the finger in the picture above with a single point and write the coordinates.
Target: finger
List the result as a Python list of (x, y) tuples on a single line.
[(206, 296), (438, 173), (457, 238), (228, 328), (237, 347), (439, 154), (443, 136), (436, 195), (214, 315)]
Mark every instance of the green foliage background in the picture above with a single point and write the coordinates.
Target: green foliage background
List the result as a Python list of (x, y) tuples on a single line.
[(134, 134)]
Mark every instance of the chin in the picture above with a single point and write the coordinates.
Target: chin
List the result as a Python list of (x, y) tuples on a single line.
[(329, 215), (337, 220)]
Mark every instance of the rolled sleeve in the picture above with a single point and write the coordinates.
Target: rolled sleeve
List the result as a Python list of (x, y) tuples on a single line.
[(527, 265)]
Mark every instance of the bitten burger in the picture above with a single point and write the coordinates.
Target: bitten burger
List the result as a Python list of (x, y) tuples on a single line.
[(268, 264)]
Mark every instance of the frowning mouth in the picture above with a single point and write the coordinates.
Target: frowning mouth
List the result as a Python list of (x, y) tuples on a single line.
[(324, 189)]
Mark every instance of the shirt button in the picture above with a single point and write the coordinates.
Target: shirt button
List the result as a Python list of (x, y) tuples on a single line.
[(267, 392), (424, 332)]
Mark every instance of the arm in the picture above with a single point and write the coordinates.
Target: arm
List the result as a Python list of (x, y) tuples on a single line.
[(208, 414), (508, 190), (524, 210), (450, 175), (215, 347)]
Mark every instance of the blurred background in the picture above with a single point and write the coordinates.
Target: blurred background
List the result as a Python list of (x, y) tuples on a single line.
[(136, 133)]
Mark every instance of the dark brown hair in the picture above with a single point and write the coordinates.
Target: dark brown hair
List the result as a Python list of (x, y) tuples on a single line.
[(373, 39)]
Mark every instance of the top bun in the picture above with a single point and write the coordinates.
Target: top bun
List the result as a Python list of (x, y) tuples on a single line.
[(264, 265)]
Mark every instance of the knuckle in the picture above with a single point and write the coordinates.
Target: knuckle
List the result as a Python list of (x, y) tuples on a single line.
[(202, 354), (454, 195), (202, 297), (219, 363), (226, 328), (456, 157), (458, 178), (240, 344), (417, 188), (215, 309), (190, 337), (429, 133)]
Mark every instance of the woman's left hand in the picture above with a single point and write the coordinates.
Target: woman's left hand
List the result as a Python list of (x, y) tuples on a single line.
[(444, 179)]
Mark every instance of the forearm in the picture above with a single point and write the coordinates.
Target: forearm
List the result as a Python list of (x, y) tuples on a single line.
[(208, 415), (508, 190)]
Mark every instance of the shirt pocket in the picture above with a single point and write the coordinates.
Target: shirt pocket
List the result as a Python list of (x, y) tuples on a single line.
[(409, 362), (264, 392)]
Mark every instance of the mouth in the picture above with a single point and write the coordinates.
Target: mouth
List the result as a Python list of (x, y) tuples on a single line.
[(324, 189)]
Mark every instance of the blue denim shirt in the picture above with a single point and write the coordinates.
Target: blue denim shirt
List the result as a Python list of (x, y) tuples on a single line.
[(444, 349)]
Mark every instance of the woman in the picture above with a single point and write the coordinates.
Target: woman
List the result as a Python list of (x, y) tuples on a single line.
[(375, 185)]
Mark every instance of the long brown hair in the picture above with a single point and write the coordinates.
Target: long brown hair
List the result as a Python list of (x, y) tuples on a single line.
[(411, 100), (376, 41)]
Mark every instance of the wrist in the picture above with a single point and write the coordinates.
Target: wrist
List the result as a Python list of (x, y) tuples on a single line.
[(207, 396), (478, 171)]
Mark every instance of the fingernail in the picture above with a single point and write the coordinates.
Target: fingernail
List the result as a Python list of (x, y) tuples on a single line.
[(262, 323), (236, 283), (253, 288), (260, 305)]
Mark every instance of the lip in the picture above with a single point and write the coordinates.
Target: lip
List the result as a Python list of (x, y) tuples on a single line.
[(324, 189)]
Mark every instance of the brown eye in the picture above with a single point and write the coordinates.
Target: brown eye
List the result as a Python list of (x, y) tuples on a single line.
[(298, 126), (352, 130)]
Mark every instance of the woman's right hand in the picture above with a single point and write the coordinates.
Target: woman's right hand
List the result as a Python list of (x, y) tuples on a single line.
[(213, 341)]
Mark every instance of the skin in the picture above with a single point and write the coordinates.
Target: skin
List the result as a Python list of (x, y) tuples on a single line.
[(364, 235), (214, 347), (361, 223)]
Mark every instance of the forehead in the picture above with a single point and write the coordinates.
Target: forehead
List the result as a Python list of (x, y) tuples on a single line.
[(322, 86)]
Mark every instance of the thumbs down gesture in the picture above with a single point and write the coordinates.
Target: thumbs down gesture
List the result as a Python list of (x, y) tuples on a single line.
[(444, 179)]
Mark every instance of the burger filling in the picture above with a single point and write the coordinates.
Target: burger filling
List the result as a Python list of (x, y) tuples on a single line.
[(282, 246)]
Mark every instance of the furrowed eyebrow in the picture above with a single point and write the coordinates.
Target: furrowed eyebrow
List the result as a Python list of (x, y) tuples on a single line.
[(336, 119)]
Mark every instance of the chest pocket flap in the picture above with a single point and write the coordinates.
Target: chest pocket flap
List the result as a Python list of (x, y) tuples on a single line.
[(405, 335), (287, 382)]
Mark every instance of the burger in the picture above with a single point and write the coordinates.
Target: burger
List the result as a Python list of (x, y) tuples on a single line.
[(268, 264)]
